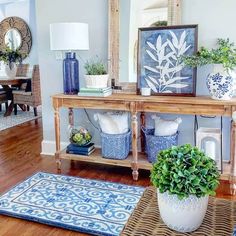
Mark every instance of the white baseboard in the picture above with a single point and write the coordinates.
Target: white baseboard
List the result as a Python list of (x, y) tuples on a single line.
[(49, 147)]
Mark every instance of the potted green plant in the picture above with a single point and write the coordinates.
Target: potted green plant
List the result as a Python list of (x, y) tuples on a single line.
[(221, 81), (11, 58), (96, 74), (184, 177)]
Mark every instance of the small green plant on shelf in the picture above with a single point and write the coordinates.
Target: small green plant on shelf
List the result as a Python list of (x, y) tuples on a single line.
[(185, 170), (224, 54), (9, 56), (95, 67)]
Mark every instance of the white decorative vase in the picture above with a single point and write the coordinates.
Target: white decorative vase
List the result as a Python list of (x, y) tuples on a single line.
[(11, 72), (221, 83), (96, 81), (182, 215)]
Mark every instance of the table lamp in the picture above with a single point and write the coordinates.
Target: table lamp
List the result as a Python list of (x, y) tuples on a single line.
[(69, 37)]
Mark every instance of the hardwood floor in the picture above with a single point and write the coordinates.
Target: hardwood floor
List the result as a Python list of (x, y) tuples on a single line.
[(20, 157)]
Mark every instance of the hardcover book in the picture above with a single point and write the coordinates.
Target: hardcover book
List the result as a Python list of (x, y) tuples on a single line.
[(87, 148), (84, 153), (97, 94), (95, 90)]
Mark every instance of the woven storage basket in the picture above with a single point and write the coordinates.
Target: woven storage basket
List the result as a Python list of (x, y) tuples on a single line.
[(154, 144), (116, 146)]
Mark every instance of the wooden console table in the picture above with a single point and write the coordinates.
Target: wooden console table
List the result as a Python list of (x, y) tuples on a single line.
[(200, 105)]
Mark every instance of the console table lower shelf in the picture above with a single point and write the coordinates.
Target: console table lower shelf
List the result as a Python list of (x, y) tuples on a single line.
[(96, 157)]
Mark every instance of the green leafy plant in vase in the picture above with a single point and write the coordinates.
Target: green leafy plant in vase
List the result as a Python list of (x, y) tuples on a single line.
[(80, 136), (184, 177), (96, 74), (11, 58), (221, 82)]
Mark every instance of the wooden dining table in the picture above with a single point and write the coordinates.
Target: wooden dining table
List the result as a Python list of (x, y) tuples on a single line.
[(6, 83)]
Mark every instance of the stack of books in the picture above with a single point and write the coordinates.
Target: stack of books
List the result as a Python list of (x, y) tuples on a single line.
[(80, 150), (96, 92)]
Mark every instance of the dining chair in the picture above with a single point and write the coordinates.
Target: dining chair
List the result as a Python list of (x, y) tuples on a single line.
[(3, 99), (22, 70), (30, 98)]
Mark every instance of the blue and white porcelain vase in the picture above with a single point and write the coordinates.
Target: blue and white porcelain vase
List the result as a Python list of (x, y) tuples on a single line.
[(221, 83), (11, 71)]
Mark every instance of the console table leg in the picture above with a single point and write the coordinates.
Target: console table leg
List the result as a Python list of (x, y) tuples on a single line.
[(71, 117), (135, 171), (58, 162), (233, 156), (57, 136), (134, 164), (142, 137)]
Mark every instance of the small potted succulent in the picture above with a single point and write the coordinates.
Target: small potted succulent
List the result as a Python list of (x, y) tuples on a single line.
[(80, 136), (221, 81), (11, 58), (184, 177), (96, 74)]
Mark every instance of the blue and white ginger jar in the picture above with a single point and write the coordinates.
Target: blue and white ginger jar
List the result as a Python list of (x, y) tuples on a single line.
[(221, 83)]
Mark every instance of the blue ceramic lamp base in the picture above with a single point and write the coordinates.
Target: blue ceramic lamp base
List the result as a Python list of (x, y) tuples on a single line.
[(70, 74)]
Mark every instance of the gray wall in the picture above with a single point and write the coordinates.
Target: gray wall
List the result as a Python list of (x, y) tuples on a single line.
[(92, 12), (214, 18)]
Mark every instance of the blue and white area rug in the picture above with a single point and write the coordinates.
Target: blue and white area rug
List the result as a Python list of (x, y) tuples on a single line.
[(14, 120), (89, 206)]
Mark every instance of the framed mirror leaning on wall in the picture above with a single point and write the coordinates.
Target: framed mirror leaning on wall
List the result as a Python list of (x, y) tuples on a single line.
[(125, 17), (15, 34)]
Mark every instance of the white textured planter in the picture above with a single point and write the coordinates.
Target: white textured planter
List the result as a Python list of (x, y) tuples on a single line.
[(221, 83), (182, 215), (96, 81), (11, 72)]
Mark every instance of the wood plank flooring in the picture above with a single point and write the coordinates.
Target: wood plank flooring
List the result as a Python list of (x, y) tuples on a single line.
[(20, 149)]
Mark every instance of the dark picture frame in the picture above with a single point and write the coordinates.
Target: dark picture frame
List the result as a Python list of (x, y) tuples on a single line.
[(159, 60)]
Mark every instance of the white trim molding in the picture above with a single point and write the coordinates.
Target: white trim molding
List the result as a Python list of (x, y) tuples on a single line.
[(49, 147)]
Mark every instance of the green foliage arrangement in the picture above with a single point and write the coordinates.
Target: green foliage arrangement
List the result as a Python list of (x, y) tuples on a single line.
[(224, 54), (185, 170), (80, 137), (10, 56), (95, 68), (159, 23)]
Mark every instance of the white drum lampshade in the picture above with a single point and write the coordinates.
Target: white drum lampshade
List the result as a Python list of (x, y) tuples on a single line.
[(69, 37)]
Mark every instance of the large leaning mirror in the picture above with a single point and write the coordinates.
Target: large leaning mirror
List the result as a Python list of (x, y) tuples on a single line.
[(15, 34), (125, 17)]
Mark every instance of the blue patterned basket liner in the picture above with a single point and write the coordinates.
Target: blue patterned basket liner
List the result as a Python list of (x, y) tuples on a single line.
[(234, 233), (154, 144), (116, 146)]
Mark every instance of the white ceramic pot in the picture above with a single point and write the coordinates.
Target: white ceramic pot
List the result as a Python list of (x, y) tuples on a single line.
[(96, 81), (182, 215), (11, 72), (221, 83)]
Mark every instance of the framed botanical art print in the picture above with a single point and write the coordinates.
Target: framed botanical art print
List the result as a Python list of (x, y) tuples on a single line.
[(159, 60)]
